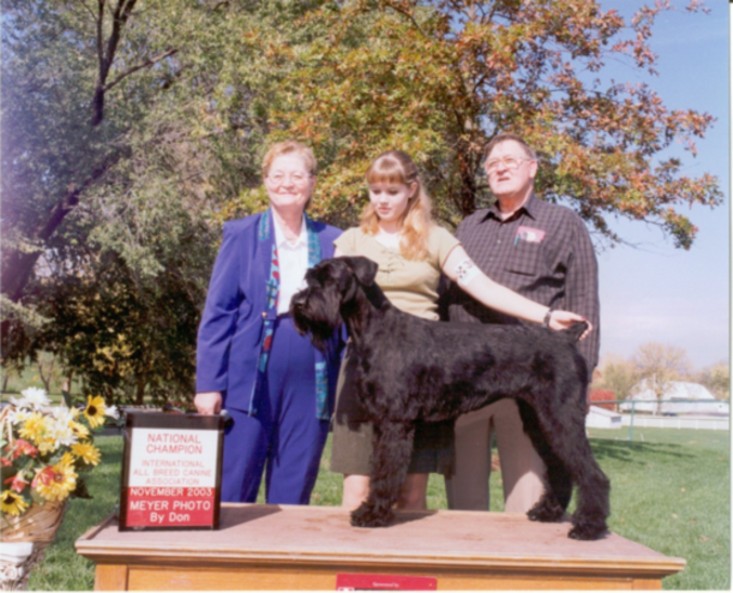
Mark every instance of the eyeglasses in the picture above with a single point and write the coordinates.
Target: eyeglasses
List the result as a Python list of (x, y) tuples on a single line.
[(296, 178), (509, 162)]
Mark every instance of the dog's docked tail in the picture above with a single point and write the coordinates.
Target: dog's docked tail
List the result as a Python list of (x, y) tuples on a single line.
[(576, 330)]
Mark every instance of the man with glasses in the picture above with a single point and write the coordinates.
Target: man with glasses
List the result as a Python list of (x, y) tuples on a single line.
[(542, 251)]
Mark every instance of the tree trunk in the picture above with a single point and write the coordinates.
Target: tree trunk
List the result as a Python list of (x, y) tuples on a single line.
[(18, 266), (45, 376), (140, 389), (66, 389)]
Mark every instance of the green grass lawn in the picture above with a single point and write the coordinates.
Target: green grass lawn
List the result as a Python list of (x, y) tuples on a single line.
[(670, 492)]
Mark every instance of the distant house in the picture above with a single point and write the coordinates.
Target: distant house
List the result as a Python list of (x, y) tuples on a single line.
[(602, 398), (679, 398), (602, 418)]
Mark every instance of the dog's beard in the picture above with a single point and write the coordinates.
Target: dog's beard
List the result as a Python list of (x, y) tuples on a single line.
[(316, 317)]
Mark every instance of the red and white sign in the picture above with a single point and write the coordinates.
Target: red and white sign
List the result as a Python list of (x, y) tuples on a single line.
[(384, 582), (529, 234), (171, 478)]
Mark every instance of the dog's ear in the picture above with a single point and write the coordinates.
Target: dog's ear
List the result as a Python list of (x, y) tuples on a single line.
[(364, 269)]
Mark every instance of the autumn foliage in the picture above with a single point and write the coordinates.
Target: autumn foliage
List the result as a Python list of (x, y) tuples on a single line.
[(440, 79), (132, 129)]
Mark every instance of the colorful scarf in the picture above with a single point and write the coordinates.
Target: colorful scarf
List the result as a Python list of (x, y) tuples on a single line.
[(264, 234)]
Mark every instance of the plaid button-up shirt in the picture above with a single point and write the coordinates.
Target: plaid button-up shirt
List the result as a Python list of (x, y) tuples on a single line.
[(544, 252)]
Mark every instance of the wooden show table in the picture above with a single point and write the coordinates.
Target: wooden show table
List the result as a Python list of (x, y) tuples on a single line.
[(291, 547)]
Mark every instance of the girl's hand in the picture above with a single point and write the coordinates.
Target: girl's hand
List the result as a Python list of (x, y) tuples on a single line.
[(560, 320)]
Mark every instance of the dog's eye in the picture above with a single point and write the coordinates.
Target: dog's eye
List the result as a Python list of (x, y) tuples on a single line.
[(320, 277), (314, 277)]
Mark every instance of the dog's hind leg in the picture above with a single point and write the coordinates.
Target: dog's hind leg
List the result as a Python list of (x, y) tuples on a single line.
[(569, 442), (558, 485), (393, 443), (589, 519), (558, 490)]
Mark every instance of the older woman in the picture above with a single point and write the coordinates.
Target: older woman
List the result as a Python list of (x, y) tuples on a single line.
[(251, 361)]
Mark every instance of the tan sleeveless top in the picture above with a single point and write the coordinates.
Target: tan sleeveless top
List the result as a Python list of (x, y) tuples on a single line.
[(410, 285)]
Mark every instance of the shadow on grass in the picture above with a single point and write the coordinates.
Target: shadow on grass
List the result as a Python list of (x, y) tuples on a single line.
[(630, 451)]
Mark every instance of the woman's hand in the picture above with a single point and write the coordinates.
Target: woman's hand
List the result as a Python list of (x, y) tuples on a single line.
[(560, 320), (208, 402)]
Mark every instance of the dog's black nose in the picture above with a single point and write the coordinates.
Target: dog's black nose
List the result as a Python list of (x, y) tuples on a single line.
[(298, 299), (297, 303)]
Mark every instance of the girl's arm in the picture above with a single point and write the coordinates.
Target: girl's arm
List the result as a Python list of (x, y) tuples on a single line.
[(461, 269)]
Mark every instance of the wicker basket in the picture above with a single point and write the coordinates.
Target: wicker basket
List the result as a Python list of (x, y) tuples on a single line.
[(38, 525)]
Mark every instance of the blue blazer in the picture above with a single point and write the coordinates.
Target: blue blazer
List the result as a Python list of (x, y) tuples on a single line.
[(230, 336)]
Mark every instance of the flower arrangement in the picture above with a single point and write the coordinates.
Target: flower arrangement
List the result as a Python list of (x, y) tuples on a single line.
[(45, 448)]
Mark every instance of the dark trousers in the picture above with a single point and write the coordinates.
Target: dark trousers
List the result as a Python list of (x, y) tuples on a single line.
[(285, 439)]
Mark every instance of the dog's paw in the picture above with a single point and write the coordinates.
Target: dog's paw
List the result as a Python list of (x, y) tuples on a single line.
[(588, 531), (368, 516), (546, 511)]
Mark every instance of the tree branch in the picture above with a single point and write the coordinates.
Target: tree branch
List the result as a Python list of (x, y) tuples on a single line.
[(18, 265), (122, 12), (145, 64)]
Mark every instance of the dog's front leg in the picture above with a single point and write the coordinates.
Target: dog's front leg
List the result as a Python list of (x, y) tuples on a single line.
[(393, 443)]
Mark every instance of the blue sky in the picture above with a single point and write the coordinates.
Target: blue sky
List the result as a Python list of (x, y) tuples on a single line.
[(654, 292)]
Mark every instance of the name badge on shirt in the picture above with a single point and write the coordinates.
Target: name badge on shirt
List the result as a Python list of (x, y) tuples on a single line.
[(528, 234)]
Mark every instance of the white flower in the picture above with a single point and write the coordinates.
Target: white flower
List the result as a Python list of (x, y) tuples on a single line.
[(62, 435), (112, 412), (61, 430), (18, 416), (33, 397), (64, 414)]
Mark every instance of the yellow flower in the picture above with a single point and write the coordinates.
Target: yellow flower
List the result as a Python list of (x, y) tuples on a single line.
[(87, 452), (56, 482), (79, 430), (94, 412), (12, 503), (47, 444), (34, 427)]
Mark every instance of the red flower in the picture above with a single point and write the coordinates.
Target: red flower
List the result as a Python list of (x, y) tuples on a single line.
[(23, 447), (46, 476), (17, 483)]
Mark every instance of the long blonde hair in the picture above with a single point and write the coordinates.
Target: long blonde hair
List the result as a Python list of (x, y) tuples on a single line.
[(396, 166)]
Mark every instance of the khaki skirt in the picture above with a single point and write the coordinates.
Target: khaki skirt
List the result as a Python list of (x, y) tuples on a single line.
[(351, 451)]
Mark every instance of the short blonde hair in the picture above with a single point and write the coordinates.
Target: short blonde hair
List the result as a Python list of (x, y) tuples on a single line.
[(396, 166), (288, 147)]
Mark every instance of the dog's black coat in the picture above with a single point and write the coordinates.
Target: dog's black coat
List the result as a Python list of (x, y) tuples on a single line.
[(412, 369)]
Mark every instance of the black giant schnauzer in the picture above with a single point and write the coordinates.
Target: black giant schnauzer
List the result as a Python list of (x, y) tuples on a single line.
[(412, 369)]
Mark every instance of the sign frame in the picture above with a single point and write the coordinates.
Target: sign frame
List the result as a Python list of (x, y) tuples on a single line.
[(138, 425), (384, 582)]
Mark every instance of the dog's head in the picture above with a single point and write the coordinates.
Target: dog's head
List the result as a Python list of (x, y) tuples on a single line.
[(318, 309)]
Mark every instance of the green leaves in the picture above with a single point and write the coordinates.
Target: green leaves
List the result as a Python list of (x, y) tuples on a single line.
[(194, 92)]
